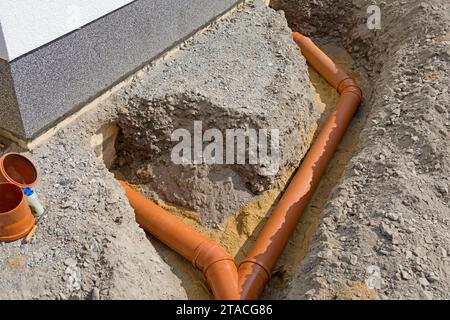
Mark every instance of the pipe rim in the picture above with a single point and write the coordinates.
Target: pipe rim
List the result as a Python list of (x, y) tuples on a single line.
[(26, 223), (17, 236), (31, 166)]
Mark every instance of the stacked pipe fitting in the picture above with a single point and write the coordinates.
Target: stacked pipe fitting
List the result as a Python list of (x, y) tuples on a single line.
[(219, 269), (16, 219)]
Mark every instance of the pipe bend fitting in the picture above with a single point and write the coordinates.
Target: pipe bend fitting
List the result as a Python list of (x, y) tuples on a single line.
[(209, 253), (219, 270), (349, 85)]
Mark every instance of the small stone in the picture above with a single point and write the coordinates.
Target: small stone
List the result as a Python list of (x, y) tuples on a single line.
[(439, 108), (424, 282), (114, 198), (442, 188), (373, 281), (419, 252), (353, 260), (310, 293), (66, 205), (394, 216), (396, 238), (70, 262), (396, 112), (427, 295), (387, 230), (432, 277), (406, 275), (409, 254), (326, 254), (410, 229), (95, 295)]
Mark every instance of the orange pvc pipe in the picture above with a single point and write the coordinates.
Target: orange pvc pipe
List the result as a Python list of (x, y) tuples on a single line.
[(217, 265), (255, 270), (319, 60), (18, 169), (16, 218)]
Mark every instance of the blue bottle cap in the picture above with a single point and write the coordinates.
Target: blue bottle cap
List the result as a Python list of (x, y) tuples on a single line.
[(28, 191)]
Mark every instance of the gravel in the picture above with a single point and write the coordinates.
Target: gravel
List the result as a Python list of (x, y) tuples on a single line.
[(384, 229), (400, 213), (88, 245)]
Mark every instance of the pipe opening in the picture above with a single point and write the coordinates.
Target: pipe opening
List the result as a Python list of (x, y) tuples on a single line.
[(11, 197), (18, 169)]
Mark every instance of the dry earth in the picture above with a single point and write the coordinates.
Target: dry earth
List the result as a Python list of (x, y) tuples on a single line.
[(378, 227)]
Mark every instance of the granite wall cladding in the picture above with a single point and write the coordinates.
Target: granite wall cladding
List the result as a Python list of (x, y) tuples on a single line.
[(10, 117)]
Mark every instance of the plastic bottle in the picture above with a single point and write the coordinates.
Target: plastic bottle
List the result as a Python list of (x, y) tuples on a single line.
[(33, 202)]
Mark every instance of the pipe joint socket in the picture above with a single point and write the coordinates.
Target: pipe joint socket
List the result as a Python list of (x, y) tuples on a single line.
[(260, 265), (209, 253), (349, 85), (252, 279)]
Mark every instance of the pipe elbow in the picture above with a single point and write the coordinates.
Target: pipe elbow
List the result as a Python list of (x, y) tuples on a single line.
[(207, 254), (348, 85), (219, 269)]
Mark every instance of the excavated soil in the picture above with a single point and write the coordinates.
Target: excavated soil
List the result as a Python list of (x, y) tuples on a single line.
[(88, 245), (238, 232), (383, 232), (222, 82), (377, 227)]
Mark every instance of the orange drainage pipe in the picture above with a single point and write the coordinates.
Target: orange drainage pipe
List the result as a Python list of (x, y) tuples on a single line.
[(18, 169), (255, 270), (16, 219), (217, 265)]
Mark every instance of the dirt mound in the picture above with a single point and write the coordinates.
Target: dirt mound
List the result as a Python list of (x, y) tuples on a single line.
[(229, 79)]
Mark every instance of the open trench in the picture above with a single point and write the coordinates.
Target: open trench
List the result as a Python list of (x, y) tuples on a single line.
[(326, 97), (340, 30), (396, 144), (238, 231)]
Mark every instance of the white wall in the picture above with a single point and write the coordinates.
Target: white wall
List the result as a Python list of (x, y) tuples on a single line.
[(3, 51), (29, 24)]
